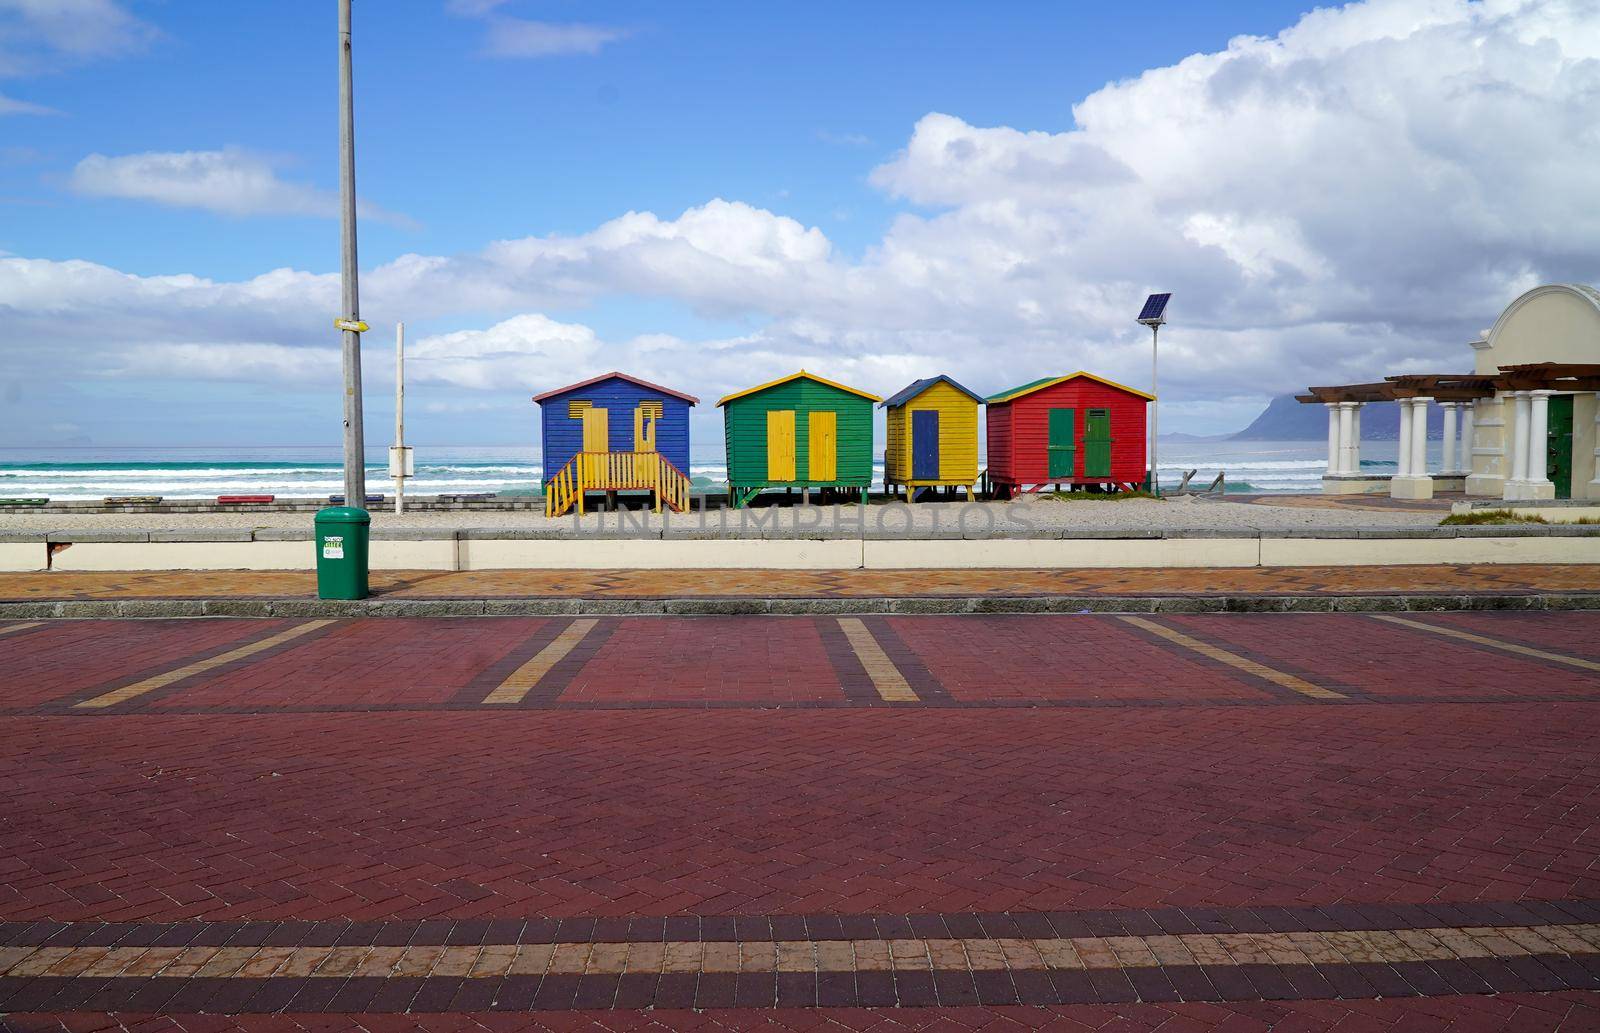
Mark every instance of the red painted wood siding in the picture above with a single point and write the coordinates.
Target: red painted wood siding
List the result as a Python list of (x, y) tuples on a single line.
[(998, 426), (1024, 425)]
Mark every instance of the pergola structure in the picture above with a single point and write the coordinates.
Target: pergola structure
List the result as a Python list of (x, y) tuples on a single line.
[(1528, 387)]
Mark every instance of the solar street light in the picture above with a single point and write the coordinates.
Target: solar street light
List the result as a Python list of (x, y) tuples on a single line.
[(1153, 315)]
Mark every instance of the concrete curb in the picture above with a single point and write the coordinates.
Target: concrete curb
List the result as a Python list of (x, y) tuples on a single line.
[(324, 608)]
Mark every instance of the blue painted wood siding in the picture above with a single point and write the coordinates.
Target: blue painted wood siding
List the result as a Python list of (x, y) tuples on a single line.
[(563, 436)]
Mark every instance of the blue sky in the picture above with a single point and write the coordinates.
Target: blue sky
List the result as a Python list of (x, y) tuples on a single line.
[(879, 191)]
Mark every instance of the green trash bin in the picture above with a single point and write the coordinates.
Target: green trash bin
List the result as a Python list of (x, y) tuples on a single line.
[(342, 552)]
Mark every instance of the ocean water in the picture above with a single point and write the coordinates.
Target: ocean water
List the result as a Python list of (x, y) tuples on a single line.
[(309, 472)]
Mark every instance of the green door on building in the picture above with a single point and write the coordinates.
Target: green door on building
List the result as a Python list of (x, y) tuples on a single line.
[(1062, 445), (1558, 465), (1097, 443)]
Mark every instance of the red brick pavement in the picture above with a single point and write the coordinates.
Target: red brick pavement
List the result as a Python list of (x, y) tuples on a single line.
[(1149, 776), (1393, 661), (709, 658), (370, 663), (58, 659), (154, 818), (1062, 658), (1567, 1012)]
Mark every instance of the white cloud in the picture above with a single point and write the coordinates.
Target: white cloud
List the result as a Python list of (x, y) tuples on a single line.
[(1358, 193), (13, 106), (231, 181), (506, 36), (519, 37), (39, 35), (257, 363)]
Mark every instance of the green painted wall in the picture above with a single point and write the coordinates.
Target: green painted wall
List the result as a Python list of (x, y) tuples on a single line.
[(745, 424)]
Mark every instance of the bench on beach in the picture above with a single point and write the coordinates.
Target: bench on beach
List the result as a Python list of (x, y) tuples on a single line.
[(132, 500), (338, 500), (23, 502), (242, 500), (477, 496)]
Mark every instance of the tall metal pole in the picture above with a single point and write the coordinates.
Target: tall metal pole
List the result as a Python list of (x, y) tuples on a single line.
[(1155, 409), (400, 415), (355, 463)]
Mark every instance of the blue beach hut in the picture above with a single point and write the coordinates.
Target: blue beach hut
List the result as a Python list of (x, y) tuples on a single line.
[(611, 433)]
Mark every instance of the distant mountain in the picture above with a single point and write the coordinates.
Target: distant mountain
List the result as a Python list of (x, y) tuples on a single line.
[(1192, 439), (1288, 420)]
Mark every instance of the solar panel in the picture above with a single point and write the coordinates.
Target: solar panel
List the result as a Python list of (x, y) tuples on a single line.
[(1154, 308)]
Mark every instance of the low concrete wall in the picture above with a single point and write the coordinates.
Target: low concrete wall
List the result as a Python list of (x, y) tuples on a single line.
[(481, 549), (15, 556), (249, 555), (1557, 514), (1336, 552), (659, 554), (895, 554)]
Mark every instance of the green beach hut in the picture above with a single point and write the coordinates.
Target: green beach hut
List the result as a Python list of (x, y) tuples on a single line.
[(800, 431)]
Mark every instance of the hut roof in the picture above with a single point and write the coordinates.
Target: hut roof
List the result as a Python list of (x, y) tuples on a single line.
[(916, 387), (614, 375), (1039, 385), (796, 376)]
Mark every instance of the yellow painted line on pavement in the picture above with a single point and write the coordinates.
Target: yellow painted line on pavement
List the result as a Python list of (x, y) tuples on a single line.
[(524, 678), (1234, 660), (9, 628), (886, 677), (1492, 643), (139, 688)]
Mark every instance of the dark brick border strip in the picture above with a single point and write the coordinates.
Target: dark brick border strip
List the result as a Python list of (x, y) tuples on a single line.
[(53, 710), (876, 988), (833, 606), (1170, 921)]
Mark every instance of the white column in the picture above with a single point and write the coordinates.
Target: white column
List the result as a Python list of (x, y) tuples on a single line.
[(1469, 415), (1334, 443), (1355, 438), (1346, 436), (1448, 465), (1404, 467), (1539, 440), (1596, 482), (1519, 437), (1419, 437)]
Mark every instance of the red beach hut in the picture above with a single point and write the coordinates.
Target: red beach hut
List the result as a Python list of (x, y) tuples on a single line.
[(1079, 429)]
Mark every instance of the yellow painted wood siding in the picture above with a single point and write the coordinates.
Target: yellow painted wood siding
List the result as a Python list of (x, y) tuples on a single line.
[(823, 455), (780, 444), (958, 436)]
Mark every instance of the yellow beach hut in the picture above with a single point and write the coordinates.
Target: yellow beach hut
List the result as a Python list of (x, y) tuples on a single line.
[(933, 437)]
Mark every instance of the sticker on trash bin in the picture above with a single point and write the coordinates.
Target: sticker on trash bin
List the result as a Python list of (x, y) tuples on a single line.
[(333, 547)]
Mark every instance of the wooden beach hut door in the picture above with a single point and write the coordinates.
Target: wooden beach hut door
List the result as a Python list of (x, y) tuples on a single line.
[(1097, 443), (596, 430), (1062, 444), (780, 444), (1558, 468), (925, 445), (822, 446)]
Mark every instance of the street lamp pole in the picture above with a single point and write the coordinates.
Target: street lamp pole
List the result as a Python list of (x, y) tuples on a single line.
[(349, 322), (1155, 411), (1153, 315)]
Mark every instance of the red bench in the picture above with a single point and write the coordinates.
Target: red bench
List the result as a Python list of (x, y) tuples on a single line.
[(234, 500)]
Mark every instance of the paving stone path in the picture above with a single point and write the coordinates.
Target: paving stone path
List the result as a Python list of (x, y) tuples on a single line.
[(1524, 579), (1184, 822)]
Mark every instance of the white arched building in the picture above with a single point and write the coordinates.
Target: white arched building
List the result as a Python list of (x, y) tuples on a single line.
[(1521, 425)]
